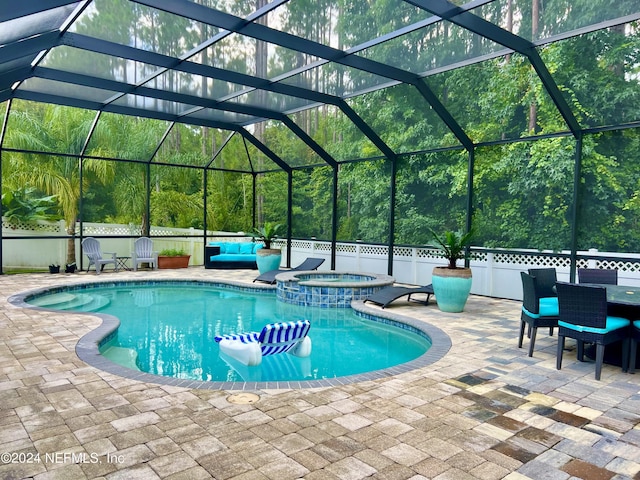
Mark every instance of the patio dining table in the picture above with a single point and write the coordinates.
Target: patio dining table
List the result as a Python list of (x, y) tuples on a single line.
[(622, 301), (623, 295)]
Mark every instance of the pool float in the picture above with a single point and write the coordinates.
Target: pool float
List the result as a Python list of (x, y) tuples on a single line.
[(275, 338)]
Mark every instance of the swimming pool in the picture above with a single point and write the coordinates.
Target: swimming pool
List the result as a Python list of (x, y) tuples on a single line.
[(171, 327)]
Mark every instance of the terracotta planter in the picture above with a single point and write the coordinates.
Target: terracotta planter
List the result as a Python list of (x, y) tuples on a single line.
[(451, 287), (181, 261)]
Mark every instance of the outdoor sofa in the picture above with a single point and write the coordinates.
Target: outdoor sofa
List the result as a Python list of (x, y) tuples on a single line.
[(229, 255)]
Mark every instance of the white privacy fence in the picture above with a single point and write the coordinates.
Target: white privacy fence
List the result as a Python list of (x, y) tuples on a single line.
[(495, 273), (35, 252)]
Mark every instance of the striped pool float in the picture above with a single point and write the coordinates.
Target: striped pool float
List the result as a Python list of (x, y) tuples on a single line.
[(275, 338)]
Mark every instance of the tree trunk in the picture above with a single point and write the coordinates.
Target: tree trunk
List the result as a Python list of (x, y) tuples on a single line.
[(71, 244)]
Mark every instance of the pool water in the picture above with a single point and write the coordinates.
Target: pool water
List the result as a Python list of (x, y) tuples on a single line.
[(169, 330)]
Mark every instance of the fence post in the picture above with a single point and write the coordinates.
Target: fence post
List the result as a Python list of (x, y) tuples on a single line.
[(489, 273), (62, 254), (192, 243), (592, 262)]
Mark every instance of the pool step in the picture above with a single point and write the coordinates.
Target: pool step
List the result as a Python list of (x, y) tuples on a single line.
[(127, 357), (72, 301), (53, 300)]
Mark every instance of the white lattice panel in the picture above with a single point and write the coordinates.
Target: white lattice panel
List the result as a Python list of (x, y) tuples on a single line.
[(373, 250), (479, 256), (302, 244), (345, 248), (620, 265), (323, 247), (40, 227), (538, 260), (429, 253), (403, 252), (93, 230)]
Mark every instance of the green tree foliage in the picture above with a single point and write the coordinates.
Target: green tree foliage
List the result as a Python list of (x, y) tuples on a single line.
[(229, 202), (523, 192), (42, 128), (24, 205)]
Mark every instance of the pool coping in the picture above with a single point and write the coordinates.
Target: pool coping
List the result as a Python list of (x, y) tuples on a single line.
[(307, 288), (375, 279), (87, 347)]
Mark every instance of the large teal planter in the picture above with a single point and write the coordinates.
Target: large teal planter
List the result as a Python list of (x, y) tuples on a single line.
[(268, 259), (451, 288)]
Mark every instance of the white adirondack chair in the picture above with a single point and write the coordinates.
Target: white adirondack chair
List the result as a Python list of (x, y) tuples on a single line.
[(92, 249), (143, 253)]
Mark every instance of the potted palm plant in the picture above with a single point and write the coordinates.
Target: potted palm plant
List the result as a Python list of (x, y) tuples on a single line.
[(268, 258), (452, 284)]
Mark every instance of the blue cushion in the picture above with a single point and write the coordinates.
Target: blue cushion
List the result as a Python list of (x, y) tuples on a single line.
[(637, 324), (223, 248), (233, 257), (257, 246), (613, 323), (544, 312), (246, 248), (233, 248), (548, 306)]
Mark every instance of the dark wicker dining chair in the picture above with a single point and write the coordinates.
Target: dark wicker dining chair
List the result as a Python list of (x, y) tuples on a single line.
[(546, 279), (583, 316), (537, 311), (633, 350), (598, 275)]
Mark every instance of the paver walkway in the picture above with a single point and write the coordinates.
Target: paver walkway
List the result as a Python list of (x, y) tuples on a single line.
[(484, 411)]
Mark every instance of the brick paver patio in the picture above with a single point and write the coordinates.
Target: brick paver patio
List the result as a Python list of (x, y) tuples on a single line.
[(483, 411)]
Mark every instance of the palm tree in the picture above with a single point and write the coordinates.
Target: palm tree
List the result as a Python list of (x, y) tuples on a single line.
[(57, 129)]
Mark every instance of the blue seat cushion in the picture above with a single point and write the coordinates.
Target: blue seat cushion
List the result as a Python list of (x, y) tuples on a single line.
[(233, 257), (613, 323), (548, 307)]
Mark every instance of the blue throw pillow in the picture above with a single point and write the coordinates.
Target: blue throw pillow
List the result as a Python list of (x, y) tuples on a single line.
[(246, 248), (257, 246), (233, 248)]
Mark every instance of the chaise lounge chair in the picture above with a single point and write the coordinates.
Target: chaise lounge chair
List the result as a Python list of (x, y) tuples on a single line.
[(309, 264), (249, 348), (388, 294)]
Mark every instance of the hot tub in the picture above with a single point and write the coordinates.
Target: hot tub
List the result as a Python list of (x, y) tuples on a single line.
[(328, 289)]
